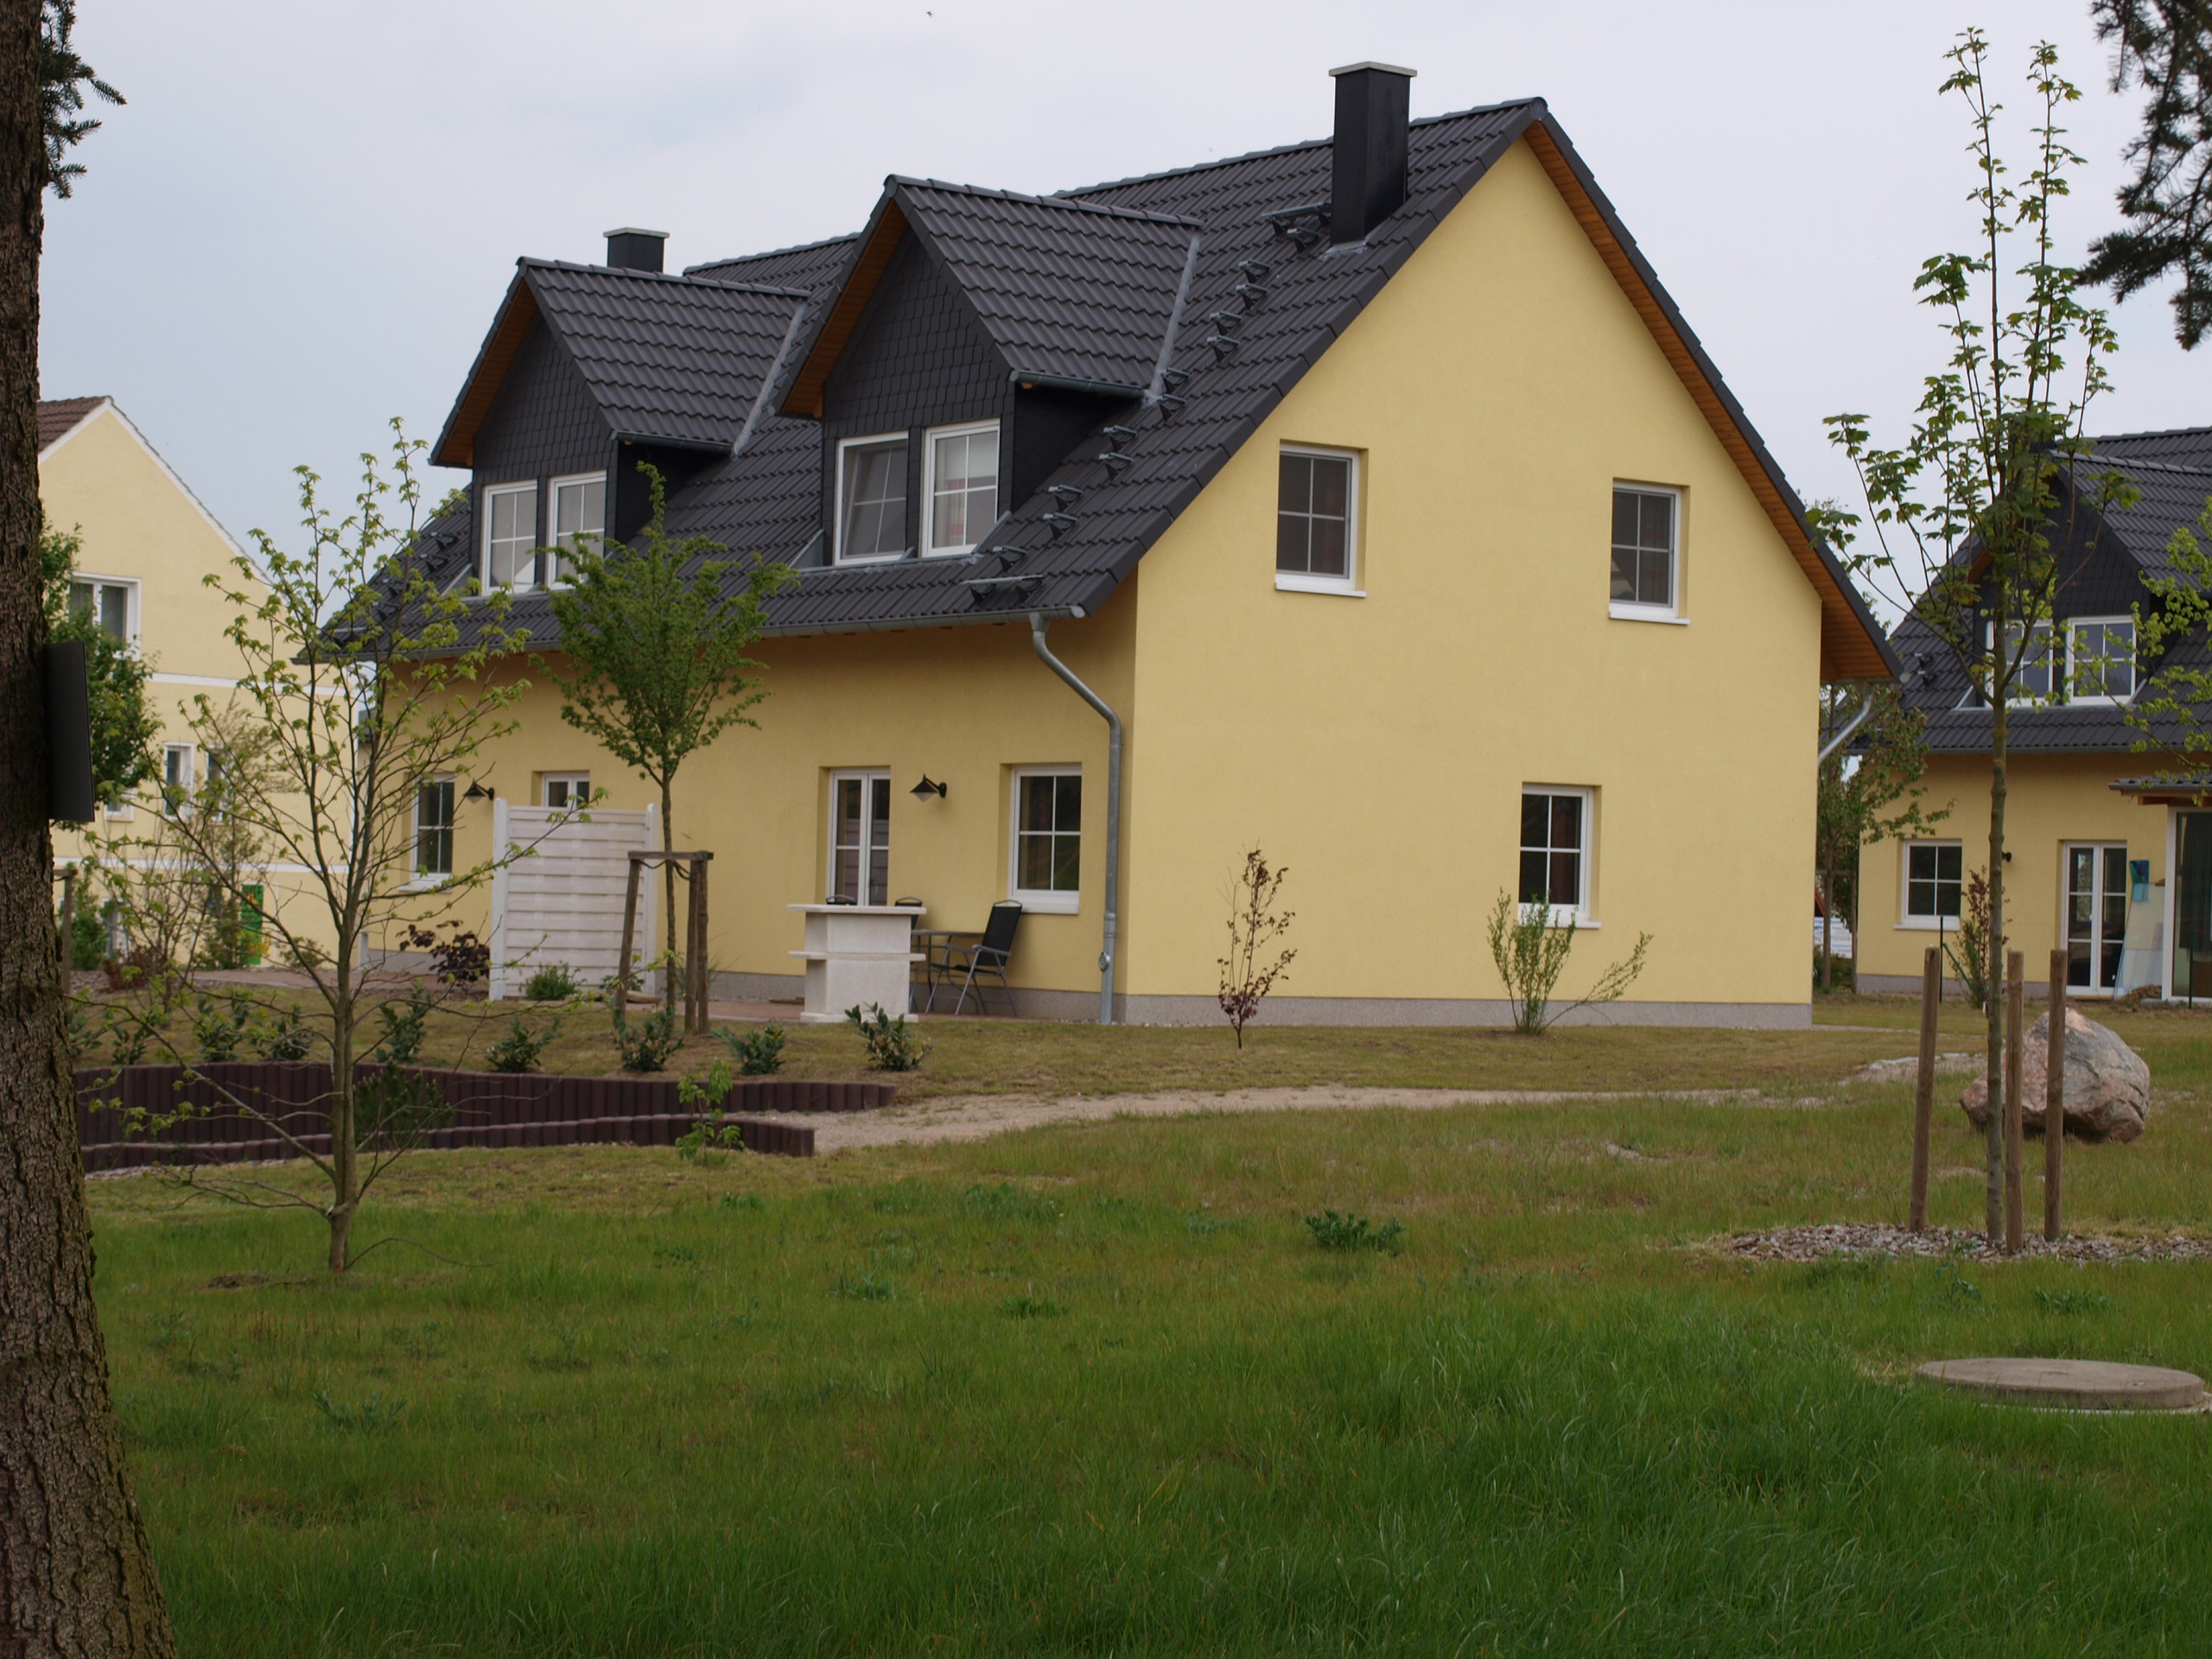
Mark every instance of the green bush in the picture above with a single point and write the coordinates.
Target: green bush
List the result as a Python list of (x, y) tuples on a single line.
[(405, 1025), (647, 1044), (220, 1026), (520, 1049), (893, 1045), (555, 983), (284, 1037), (758, 1050)]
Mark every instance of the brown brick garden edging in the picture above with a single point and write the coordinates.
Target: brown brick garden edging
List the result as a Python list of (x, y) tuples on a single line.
[(490, 1108)]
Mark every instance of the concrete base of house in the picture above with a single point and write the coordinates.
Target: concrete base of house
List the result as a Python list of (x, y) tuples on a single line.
[(1955, 990), (1143, 1010)]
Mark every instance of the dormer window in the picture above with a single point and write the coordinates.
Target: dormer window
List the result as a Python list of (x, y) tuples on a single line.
[(579, 515), (511, 535), (2102, 651), (872, 498), (963, 486)]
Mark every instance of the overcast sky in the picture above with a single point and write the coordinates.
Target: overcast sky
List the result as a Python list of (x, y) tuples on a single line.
[(301, 224)]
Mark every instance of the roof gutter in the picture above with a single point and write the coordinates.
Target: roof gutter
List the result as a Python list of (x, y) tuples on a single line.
[(1113, 808)]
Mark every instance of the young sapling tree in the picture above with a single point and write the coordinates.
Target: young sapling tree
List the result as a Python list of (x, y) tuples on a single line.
[(1256, 958)]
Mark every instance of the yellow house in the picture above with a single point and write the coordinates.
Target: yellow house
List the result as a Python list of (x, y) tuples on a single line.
[(1367, 501), (147, 546), (2094, 824)]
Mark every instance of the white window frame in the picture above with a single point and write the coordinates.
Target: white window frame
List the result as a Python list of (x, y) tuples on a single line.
[(187, 783), (1049, 901), (1581, 909), (1300, 582), (964, 429), (130, 586), (491, 493), (2060, 650), (576, 781), (553, 520), (2065, 940), (864, 775), (418, 877), (2074, 623), (1930, 924), (837, 554), (1624, 610)]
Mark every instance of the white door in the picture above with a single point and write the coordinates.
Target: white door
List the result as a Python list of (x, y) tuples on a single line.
[(2096, 914)]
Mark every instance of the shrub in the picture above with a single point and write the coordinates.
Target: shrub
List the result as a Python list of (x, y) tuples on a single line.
[(1530, 945), (709, 1137), (1972, 959), (647, 1044), (520, 1049), (405, 1025), (220, 1027), (553, 983), (134, 970), (1334, 1232), (1255, 924), (286, 1036), (459, 959), (893, 1045), (758, 1050)]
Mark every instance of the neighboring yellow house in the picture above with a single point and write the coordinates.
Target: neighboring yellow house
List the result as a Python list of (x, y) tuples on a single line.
[(1374, 484), (147, 546), (2093, 824)]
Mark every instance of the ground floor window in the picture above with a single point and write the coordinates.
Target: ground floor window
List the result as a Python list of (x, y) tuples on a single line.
[(2096, 915), (1555, 848), (564, 790), (1047, 872), (860, 838), (1935, 875), (434, 828)]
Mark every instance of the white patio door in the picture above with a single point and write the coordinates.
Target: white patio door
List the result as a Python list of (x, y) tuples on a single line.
[(860, 838), (2096, 914)]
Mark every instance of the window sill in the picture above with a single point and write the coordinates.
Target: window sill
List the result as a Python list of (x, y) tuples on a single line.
[(1583, 923), (1621, 613), (1048, 904), (427, 883), (1290, 581), (1928, 924)]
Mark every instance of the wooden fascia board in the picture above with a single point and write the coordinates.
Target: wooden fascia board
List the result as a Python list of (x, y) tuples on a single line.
[(804, 398), (456, 445), (1851, 647)]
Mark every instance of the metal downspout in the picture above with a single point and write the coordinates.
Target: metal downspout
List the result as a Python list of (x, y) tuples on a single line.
[(1865, 707), (1113, 811)]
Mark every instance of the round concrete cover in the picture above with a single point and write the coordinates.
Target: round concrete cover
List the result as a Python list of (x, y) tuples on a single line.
[(2069, 1384)]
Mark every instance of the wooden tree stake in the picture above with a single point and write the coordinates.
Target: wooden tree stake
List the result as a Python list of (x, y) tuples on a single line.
[(2016, 973), (1923, 1091), (2054, 1099), (629, 937)]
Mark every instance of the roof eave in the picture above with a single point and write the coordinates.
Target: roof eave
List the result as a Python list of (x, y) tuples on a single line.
[(456, 444)]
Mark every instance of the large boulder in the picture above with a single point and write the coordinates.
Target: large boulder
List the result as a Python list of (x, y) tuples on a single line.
[(2107, 1086)]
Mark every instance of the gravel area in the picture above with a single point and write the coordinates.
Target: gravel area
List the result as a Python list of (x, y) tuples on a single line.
[(1853, 1238)]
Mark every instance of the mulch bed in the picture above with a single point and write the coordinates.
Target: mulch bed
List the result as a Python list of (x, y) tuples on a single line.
[(1856, 1238)]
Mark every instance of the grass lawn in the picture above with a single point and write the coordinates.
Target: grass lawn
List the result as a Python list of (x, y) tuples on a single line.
[(1094, 1388)]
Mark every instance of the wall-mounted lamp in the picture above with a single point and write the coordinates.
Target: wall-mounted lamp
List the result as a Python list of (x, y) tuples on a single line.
[(924, 790), (476, 792)]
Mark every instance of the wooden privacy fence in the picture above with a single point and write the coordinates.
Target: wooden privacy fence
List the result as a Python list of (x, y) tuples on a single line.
[(487, 1108), (557, 901)]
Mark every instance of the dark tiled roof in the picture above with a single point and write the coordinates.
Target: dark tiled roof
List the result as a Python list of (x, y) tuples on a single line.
[(1085, 285), (675, 359), (57, 417), (2171, 472)]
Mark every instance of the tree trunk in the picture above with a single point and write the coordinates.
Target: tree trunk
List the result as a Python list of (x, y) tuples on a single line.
[(79, 1576), (1993, 1003), (672, 978), (1827, 930), (345, 1160)]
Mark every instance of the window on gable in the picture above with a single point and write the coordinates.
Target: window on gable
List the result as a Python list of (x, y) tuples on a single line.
[(872, 498), (579, 515), (1555, 849), (2101, 654), (962, 462), (112, 601), (1645, 521), (1316, 503), (511, 535)]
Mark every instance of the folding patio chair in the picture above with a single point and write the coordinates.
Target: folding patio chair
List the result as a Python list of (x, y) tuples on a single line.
[(962, 957)]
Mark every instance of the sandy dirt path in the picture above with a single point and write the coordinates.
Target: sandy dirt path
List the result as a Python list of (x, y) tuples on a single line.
[(974, 1117)]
